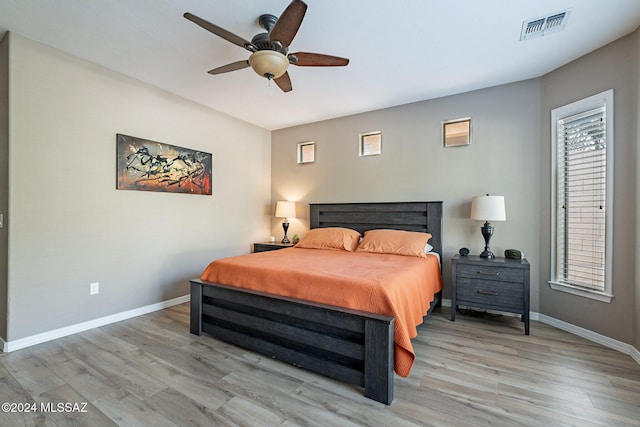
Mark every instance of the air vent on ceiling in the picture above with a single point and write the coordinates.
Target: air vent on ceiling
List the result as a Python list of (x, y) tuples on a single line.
[(544, 25)]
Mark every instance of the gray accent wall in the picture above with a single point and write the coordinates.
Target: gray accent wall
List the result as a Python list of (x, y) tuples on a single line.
[(69, 226), (510, 155), (503, 159)]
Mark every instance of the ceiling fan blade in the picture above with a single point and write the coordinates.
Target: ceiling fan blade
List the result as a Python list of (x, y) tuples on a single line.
[(220, 32), (284, 82), (288, 24), (238, 65), (307, 59)]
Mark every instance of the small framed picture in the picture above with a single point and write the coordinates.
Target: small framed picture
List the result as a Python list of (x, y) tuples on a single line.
[(370, 143), (456, 133), (306, 152)]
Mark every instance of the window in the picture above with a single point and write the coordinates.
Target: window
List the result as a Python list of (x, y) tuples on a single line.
[(370, 143), (582, 196), (306, 152), (456, 133)]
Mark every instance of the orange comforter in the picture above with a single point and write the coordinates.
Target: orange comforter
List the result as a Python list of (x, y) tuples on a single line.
[(395, 285)]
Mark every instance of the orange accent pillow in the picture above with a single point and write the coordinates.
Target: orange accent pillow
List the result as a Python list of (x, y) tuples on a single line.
[(397, 242), (337, 238)]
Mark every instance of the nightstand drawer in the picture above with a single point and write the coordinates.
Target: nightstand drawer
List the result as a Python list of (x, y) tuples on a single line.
[(487, 293), (490, 272)]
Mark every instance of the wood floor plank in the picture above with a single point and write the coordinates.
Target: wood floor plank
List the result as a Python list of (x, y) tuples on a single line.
[(622, 383), (627, 406), (128, 410), (181, 409), (361, 411), (13, 393), (202, 390), (552, 409), (66, 407), (74, 371), (476, 371), (109, 365), (34, 376), (457, 410), (242, 412), (281, 401)]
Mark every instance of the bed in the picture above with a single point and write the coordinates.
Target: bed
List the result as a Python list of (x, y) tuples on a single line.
[(354, 346)]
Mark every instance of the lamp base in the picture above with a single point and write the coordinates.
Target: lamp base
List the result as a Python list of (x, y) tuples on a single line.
[(285, 226), (487, 253), (487, 232)]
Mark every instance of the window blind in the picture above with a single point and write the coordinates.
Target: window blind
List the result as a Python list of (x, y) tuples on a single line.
[(581, 192)]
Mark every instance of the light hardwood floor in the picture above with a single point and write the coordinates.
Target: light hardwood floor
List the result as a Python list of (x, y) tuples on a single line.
[(149, 371)]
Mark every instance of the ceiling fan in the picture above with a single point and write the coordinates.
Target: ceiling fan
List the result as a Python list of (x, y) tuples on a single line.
[(270, 55)]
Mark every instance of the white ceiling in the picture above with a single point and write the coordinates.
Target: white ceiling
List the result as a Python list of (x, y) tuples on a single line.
[(400, 51)]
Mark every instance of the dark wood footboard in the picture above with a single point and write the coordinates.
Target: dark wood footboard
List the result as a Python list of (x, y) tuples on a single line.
[(349, 345)]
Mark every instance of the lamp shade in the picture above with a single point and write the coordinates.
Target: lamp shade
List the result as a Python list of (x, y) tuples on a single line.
[(488, 208), (285, 209), (269, 63)]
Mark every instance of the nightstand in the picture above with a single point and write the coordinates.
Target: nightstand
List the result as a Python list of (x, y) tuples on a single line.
[(270, 246), (495, 284)]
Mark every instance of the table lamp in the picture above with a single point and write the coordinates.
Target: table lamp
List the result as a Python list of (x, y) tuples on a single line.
[(285, 209), (488, 208)]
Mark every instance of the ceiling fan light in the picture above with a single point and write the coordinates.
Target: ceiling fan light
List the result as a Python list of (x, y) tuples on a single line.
[(269, 63)]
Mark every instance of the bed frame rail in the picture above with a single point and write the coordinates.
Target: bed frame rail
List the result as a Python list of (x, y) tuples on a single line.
[(348, 345)]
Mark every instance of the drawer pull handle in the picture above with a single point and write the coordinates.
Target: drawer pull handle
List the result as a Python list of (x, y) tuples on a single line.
[(489, 273), (480, 291)]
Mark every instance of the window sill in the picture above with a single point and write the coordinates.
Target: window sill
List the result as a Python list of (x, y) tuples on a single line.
[(574, 290)]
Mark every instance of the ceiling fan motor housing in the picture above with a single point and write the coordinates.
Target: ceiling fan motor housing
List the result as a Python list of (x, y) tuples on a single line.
[(261, 41)]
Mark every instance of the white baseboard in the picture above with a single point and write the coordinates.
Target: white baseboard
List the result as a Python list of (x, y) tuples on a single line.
[(592, 336), (575, 330), (8, 346)]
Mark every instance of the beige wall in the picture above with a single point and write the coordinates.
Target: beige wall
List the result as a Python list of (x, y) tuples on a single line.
[(611, 67), (69, 226), (4, 177), (503, 159)]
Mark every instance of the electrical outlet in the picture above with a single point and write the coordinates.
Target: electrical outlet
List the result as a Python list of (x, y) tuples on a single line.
[(94, 288)]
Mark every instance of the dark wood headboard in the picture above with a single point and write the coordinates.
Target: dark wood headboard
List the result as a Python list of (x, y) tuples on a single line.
[(411, 216)]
